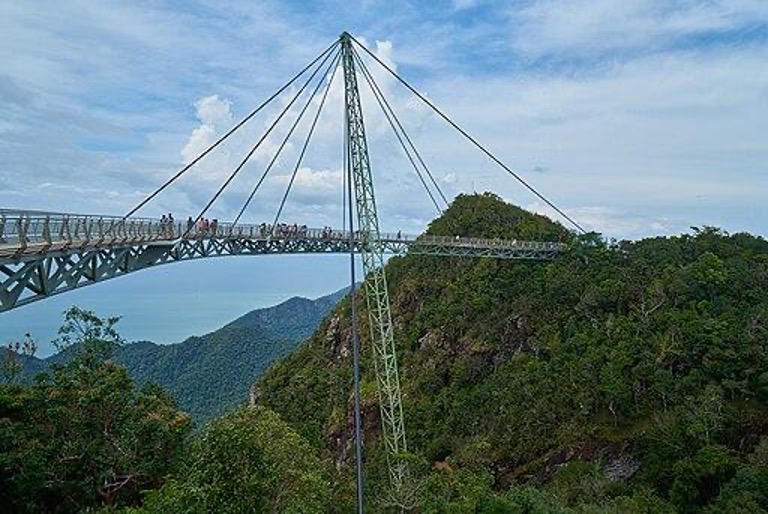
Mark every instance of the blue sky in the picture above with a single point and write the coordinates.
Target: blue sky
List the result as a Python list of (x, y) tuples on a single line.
[(636, 117)]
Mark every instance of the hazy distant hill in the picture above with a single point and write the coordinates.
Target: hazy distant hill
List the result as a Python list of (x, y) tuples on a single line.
[(212, 373)]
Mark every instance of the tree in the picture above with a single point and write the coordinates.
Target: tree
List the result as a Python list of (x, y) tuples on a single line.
[(699, 478), (16, 355), (246, 461), (88, 333), (86, 435)]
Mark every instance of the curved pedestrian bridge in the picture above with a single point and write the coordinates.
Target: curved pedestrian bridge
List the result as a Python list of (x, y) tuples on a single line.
[(43, 253)]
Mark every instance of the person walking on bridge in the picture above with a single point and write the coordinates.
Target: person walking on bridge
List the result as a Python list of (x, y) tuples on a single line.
[(163, 225)]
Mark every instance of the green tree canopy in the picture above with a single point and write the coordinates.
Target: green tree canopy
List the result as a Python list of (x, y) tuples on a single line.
[(85, 435), (246, 461)]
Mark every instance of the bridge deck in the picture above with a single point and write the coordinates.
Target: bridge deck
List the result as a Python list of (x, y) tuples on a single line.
[(42, 254)]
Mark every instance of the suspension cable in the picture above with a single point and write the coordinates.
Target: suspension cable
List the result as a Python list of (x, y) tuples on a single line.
[(228, 133), (470, 138), (372, 82), (255, 146), (399, 137), (344, 176), (304, 149), (334, 62)]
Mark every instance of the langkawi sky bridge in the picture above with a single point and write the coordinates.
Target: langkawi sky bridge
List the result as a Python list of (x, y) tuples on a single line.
[(45, 253)]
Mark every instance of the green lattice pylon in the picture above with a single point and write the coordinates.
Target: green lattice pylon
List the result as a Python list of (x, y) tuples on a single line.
[(372, 253)]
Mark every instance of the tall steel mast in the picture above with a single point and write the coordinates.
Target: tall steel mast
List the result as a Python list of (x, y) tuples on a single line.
[(377, 298)]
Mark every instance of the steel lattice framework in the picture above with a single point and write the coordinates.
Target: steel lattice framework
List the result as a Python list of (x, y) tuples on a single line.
[(372, 253)]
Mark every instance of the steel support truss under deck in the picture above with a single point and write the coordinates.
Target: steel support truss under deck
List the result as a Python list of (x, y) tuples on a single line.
[(44, 269)]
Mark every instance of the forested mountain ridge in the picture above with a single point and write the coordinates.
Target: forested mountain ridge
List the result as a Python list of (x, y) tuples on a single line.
[(630, 377), (210, 374), (84, 436)]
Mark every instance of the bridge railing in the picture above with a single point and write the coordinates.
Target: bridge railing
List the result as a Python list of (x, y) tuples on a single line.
[(473, 242), (23, 229), (265, 231)]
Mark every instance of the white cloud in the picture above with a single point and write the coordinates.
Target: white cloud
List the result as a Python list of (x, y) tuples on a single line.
[(663, 134), (211, 110), (616, 221), (215, 117), (309, 180), (464, 4), (589, 27), (201, 138)]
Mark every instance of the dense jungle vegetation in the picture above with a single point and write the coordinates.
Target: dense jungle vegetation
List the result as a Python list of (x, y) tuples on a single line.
[(623, 377), (84, 437)]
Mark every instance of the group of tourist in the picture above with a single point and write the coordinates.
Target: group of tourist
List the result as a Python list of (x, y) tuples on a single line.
[(329, 233), (283, 230), (167, 225), (204, 226), (294, 230)]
